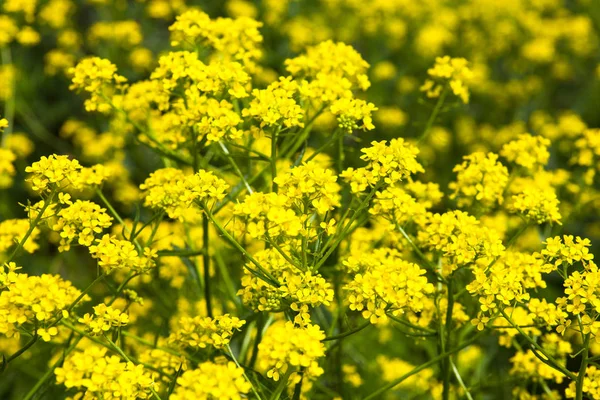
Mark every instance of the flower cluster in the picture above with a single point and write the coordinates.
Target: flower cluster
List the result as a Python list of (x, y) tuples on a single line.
[(81, 220), (480, 179), (113, 253), (297, 289), (461, 238), (452, 72), (275, 105), (104, 318), (240, 239), (537, 205), (52, 173), (200, 332), (387, 284), (285, 348), (212, 381), (94, 374), (309, 187), (267, 215), (13, 230), (390, 163), (174, 192), (33, 300), (99, 78)]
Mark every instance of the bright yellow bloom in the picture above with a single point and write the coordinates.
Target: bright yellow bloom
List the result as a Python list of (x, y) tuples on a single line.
[(212, 381), (200, 332), (95, 375), (286, 347), (452, 72), (480, 179), (529, 152)]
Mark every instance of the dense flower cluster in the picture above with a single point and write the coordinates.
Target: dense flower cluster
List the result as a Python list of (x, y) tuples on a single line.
[(285, 348), (103, 319), (199, 332), (95, 375), (453, 72), (212, 381), (480, 179), (387, 285), (390, 163), (174, 192), (33, 300)]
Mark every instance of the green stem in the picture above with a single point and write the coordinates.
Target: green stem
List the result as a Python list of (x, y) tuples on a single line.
[(150, 344), (582, 369), (22, 350), (260, 325), (347, 333), (341, 234), (421, 367), (274, 159), (85, 292), (460, 380), (416, 249), (551, 360), (32, 227), (181, 253), (116, 215), (9, 106), (434, 114), (235, 167), (206, 264), (409, 325), (448, 344), (48, 374), (243, 373), (265, 275), (282, 385)]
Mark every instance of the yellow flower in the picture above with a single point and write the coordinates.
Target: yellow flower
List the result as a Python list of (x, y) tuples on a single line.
[(453, 72)]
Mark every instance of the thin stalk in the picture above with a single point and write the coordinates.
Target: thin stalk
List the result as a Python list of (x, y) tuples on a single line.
[(551, 360), (460, 380), (85, 292), (266, 275), (206, 264), (121, 287), (434, 114), (116, 215), (415, 248), (235, 167), (282, 385), (409, 325), (181, 253), (22, 350), (243, 373), (341, 154), (260, 326), (448, 344), (329, 249), (32, 226), (48, 374), (347, 333), (420, 368), (150, 344), (9, 106), (274, 159), (582, 369), (325, 145)]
